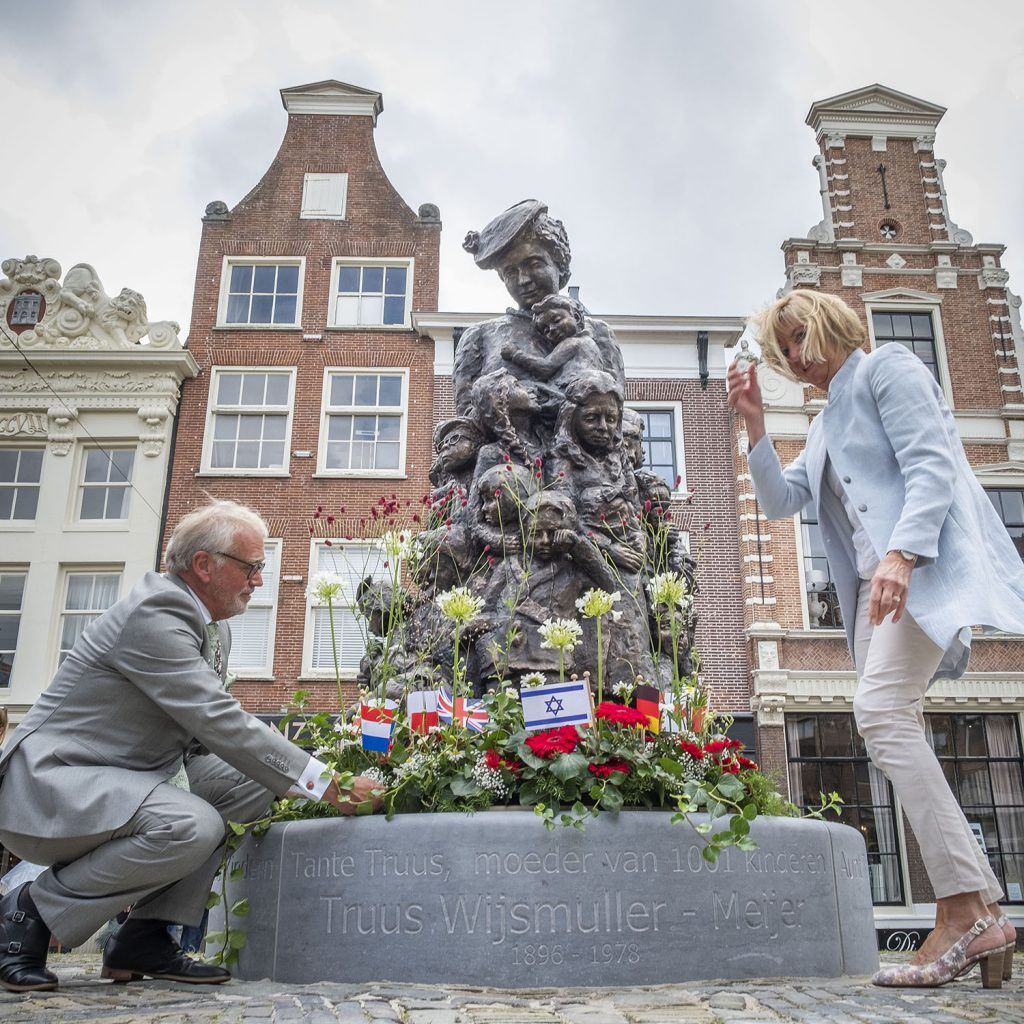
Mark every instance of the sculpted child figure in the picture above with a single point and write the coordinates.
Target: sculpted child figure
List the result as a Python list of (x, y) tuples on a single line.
[(560, 321)]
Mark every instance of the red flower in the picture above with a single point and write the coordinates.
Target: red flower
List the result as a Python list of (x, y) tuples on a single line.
[(552, 742), (620, 714), (692, 749), (732, 768), (716, 746), (604, 771), (492, 759), (733, 744), (745, 762)]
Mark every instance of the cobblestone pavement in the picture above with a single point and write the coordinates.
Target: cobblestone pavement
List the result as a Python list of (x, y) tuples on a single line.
[(83, 997)]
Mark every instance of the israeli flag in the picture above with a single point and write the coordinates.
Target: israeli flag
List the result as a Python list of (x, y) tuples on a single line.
[(552, 704)]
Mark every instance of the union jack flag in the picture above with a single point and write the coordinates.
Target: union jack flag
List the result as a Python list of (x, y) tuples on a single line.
[(470, 714)]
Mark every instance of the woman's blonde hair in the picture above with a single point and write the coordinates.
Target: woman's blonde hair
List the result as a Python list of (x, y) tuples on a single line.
[(830, 327)]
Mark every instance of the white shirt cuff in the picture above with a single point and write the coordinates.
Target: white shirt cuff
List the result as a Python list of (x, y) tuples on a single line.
[(313, 782)]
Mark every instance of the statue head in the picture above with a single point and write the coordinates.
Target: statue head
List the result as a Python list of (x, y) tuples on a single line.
[(591, 419), (457, 442), (633, 436), (528, 248), (558, 317), (552, 513), (501, 492), (496, 397)]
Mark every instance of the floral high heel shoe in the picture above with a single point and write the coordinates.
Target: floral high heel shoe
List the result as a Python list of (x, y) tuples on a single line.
[(951, 964), (1004, 922)]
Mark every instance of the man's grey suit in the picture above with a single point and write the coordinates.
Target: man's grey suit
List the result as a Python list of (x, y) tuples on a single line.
[(84, 778)]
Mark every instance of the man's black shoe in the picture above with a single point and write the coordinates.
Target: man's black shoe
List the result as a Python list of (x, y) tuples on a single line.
[(144, 949), (24, 940)]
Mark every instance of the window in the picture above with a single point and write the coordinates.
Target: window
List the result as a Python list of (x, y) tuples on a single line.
[(371, 293), (323, 196), (86, 596), (981, 758), (663, 441), (364, 423), (252, 632), (912, 330), (250, 421), (822, 600), (106, 483), (1009, 503), (12, 590), (352, 562), (20, 469), (827, 755), (262, 293)]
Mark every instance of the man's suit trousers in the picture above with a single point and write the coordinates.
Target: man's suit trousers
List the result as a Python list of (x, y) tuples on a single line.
[(162, 860)]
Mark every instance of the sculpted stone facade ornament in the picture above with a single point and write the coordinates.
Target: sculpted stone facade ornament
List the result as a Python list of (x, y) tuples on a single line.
[(804, 273), (993, 277), (62, 433), (76, 315)]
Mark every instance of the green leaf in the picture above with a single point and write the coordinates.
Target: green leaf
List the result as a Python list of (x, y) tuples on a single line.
[(730, 787), (240, 908), (464, 787), (611, 799), (569, 766), (750, 811), (237, 874), (214, 938), (212, 900), (710, 854), (746, 843), (239, 830), (672, 766), (237, 939), (703, 828)]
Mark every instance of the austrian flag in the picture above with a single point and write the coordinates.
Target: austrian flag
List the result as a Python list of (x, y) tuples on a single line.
[(377, 723), (470, 714)]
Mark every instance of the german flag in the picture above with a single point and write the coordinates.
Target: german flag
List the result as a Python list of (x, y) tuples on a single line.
[(648, 700)]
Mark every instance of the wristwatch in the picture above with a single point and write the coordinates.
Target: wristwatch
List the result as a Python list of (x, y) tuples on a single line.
[(907, 556)]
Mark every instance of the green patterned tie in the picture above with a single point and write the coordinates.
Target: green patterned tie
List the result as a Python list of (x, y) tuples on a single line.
[(213, 652)]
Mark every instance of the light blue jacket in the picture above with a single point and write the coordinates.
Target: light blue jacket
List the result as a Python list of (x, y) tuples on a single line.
[(894, 445)]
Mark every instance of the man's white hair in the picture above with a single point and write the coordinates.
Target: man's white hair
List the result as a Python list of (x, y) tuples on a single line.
[(211, 528)]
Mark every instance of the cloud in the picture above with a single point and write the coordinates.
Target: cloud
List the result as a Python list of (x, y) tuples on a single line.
[(668, 136)]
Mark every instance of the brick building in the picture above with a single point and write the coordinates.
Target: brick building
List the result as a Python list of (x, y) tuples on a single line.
[(888, 246), (314, 390)]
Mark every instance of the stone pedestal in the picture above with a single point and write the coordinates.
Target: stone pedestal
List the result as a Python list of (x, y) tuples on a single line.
[(495, 899)]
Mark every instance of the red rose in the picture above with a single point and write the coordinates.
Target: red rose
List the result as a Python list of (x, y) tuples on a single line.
[(604, 771), (620, 714), (552, 742), (693, 749)]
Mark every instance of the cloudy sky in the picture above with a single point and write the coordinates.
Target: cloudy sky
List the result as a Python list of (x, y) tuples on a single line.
[(669, 136)]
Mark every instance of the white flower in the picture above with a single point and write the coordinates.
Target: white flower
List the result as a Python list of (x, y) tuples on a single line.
[(595, 603), (459, 604), (560, 634), (532, 679), (669, 588), (623, 690), (512, 692), (326, 588), (397, 545), (376, 774), (489, 778)]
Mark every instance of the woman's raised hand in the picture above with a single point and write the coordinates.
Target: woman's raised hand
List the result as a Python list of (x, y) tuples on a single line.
[(745, 398)]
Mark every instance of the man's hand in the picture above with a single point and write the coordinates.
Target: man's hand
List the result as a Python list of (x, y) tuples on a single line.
[(889, 588), (745, 398), (366, 795)]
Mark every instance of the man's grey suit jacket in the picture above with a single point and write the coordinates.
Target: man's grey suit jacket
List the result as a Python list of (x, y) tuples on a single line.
[(132, 696)]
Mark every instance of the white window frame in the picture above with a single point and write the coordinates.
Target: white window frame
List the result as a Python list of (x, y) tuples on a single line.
[(225, 280), (307, 212), (676, 408), (15, 570), (207, 469), (264, 598), (308, 671), (79, 488), (369, 261), (66, 572), (901, 302), (22, 524), (326, 411)]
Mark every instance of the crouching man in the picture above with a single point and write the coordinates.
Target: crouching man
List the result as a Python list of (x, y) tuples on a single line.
[(123, 775)]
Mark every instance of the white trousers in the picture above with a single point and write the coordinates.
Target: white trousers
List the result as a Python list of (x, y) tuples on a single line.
[(895, 662)]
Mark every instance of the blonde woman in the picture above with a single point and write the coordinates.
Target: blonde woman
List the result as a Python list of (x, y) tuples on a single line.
[(918, 556)]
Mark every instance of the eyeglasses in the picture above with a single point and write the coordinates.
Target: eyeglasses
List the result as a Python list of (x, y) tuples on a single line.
[(253, 568)]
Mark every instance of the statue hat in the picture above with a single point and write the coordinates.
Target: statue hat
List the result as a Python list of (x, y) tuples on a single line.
[(489, 243), (442, 430)]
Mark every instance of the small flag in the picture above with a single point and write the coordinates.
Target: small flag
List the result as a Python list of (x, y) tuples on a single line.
[(422, 708), (376, 725), (468, 713), (552, 704), (647, 699)]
